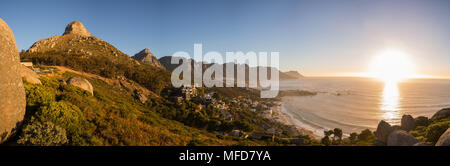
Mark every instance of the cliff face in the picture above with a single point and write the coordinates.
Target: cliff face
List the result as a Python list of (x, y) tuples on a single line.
[(12, 92), (146, 57)]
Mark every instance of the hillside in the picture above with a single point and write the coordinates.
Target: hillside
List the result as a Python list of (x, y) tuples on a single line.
[(81, 51), (110, 117)]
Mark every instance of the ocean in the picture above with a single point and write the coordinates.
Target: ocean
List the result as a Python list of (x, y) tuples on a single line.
[(355, 104)]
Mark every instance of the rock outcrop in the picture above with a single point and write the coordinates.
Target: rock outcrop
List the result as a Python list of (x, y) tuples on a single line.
[(408, 123), (401, 138), (12, 92), (444, 140), (146, 57), (441, 113), (422, 121), (383, 131), (77, 28), (140, 96), (81, 83), (29, 75)]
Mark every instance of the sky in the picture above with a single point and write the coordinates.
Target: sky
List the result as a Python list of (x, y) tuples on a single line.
[(313, 37)]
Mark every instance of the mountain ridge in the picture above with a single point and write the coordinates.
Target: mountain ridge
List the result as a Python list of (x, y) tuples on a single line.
[(166, 62)]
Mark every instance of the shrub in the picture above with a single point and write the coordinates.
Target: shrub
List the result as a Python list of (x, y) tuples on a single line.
[(43, 134), (74, 89), (435, 130), (67, 116), (50, 82), (38, 95)]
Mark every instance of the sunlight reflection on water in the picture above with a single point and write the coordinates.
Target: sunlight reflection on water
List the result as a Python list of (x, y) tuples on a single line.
[(390, 103)]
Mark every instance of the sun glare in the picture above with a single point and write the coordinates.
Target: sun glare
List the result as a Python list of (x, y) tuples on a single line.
[(391, 66)]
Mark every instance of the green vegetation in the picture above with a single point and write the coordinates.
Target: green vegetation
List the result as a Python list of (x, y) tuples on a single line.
[(60, 114), (365, 138), (43, 134), (431, 129)]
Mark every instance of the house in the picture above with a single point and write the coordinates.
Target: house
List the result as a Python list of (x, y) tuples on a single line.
[(188, 92), (27, 63)]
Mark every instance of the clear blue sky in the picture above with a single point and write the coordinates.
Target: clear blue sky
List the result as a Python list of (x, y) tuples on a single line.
[(317, 37)]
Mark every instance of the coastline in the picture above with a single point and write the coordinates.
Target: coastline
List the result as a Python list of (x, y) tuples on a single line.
[(282, 115)]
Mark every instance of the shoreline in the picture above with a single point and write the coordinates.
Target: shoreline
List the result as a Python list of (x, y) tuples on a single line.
[(281, 115)]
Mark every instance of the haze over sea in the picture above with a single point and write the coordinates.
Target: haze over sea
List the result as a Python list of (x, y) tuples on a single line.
[(355, 104)]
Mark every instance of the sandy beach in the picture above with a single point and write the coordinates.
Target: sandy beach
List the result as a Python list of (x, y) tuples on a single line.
[(280, 114)]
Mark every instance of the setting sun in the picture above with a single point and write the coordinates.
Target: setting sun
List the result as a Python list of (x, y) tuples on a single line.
[(391, 66)]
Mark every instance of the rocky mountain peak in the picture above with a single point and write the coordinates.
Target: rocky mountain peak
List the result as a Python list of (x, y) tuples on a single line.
[(146, 51), (145, 56), (77, 28)]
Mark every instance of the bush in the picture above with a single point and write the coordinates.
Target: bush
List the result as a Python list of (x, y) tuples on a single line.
[(38, 95), (67, 116), (435, 130), (77, 90), (46, 134), (50, 82)]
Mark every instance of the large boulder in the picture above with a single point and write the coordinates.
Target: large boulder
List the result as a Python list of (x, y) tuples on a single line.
[(29, 75), (383, 131), (422, 121), (441, 113), (401, 138), (396, 127), (12, 92), (444, 140), (408, 123), (81, 83), (378, 143)]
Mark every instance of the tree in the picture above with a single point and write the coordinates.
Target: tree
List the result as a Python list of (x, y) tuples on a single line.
[(365, 135), (326, 140), (328, 133), (353, 137), (337, 133)]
